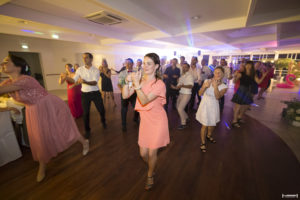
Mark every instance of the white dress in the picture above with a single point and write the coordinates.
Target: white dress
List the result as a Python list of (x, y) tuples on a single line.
[(208, 113)]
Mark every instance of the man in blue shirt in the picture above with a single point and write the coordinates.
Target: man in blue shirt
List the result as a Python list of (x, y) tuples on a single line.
[(171, 76), (213, 65)]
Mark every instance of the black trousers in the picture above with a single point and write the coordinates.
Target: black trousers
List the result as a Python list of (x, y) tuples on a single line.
[(221, 103), (173, 94), (86, 99), (124, 108), (195, 91)]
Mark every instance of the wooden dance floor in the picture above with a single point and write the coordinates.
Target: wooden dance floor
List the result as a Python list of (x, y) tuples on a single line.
[(247, 163)]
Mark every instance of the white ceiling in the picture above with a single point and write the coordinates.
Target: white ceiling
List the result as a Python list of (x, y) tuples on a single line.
[(222, 25)]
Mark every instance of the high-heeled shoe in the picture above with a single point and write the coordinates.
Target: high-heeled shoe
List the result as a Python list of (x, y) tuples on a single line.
[(149, 183), (203, 148), (209, 138)]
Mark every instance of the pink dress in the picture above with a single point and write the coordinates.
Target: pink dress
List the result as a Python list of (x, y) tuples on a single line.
[(51, 127), (74, 100), (265, 83), (154, 128)]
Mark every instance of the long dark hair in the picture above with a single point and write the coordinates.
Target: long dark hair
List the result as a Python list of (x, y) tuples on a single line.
[(156, 60), (252, 70), (20, 62)]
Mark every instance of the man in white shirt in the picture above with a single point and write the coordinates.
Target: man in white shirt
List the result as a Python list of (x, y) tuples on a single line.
[(131, 100), (195, 72), (88, 76), (163, 65), (206, 72), (184, 86)]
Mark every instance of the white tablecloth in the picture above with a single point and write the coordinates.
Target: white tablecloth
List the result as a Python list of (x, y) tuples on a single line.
[(9, 147)]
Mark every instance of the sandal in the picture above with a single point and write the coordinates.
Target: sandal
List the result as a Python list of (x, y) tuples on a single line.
[(211, 139), (235, 125), (149, 183), (240, 120), (203, 148)]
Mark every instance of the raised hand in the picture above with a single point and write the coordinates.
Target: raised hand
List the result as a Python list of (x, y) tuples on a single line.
[(63, 75), (136, 77), (207, 83), (215, 83), (80, 80), (128, 78)]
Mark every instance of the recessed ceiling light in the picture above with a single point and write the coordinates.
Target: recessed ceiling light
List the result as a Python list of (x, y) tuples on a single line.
[(24, 46), (196, 17), (55, 36)]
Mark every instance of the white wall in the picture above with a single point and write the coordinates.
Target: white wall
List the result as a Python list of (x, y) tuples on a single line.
[(54, 54)]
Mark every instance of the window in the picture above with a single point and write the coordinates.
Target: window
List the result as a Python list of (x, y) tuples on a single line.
[(270, 56), (294, 56), (255, 57), (282, 56)]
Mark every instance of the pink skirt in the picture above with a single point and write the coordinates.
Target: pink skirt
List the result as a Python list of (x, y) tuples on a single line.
[(51, 128)]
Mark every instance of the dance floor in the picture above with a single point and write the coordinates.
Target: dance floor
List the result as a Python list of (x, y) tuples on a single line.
[(246, 163)]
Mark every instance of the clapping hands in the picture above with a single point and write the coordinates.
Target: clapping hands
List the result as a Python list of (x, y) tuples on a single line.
[(207, 83), (136, 78), (63, 75), (215, 83)]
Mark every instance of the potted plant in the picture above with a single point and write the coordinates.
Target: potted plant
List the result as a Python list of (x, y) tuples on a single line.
[(292, 112)]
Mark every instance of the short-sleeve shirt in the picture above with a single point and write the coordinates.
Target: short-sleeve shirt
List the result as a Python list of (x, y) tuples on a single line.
[(196, 73), (91, 74), (186, 79), (122, 76), (171, 72)]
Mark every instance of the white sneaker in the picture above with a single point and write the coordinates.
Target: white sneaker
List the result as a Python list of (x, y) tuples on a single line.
[(86, 147)]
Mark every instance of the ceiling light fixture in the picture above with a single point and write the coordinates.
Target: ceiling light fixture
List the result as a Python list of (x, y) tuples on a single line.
[(55, 36), (24, 46), (196, 17)]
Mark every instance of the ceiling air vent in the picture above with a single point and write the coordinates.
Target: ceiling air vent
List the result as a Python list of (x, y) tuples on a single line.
[(105, 18)]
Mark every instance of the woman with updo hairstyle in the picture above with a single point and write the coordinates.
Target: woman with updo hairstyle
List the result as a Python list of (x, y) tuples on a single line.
[(50, 125), (151, 97), (74, 92)]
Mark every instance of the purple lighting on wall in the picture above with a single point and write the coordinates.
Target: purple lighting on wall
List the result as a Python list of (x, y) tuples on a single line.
[(27, 31)]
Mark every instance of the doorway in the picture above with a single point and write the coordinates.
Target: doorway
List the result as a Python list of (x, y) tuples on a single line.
[(33, 60)]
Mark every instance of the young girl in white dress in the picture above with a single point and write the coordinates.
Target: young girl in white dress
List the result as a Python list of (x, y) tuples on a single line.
[(208, 113)]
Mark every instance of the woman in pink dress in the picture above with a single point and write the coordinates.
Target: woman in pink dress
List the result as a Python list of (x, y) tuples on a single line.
[(51, 127), (264, 85), (151, 97), (74, 93)]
